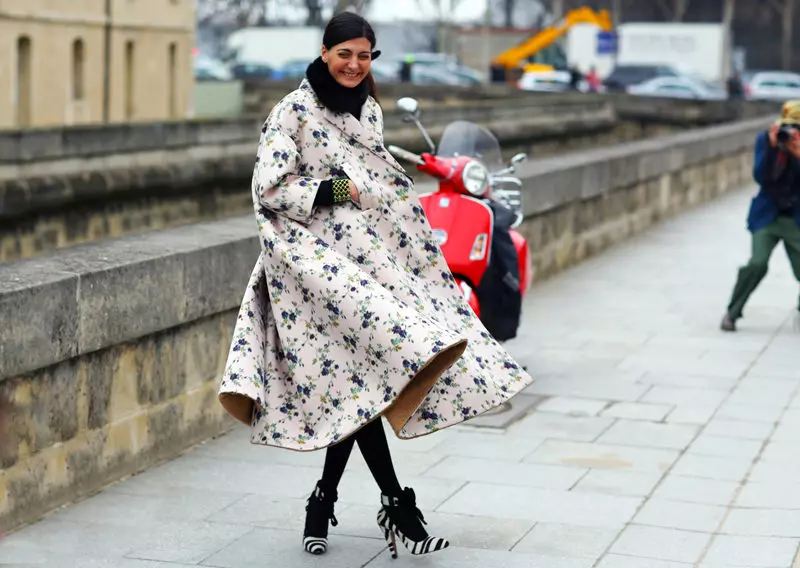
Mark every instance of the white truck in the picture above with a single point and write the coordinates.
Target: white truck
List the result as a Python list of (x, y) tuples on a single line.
[(274, 46), (701, 50)]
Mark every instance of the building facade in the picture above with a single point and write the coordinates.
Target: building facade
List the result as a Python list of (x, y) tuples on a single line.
[(94, 61)]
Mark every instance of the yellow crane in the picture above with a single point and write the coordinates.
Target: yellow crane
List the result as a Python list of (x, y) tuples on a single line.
[(512, 58)]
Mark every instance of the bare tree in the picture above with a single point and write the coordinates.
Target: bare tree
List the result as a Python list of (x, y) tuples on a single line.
[(241, 13), (517, 13), (786, 10), (441, 7), (508, 12), (674, 10), (357, 6)]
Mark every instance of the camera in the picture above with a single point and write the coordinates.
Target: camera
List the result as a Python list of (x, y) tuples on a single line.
[(785, 134)]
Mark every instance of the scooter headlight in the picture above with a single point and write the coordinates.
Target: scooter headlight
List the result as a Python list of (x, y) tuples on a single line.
[(475, 177)]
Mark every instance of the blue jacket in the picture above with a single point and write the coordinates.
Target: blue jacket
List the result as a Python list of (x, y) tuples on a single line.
[(764, 208)]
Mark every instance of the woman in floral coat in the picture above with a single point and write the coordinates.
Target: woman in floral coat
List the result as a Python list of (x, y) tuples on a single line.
[(351, 312)]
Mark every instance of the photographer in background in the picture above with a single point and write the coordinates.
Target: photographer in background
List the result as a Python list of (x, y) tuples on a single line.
[(775, 212)]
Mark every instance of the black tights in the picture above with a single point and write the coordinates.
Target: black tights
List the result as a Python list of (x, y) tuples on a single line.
[(375, 449)]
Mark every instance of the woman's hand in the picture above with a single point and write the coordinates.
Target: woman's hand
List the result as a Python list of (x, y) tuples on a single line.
[(354, 192)]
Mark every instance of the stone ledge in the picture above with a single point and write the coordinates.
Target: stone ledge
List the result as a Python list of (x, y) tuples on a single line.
[(86, 298), (553, 182), (38, 144), (38, 187), (70, 142)]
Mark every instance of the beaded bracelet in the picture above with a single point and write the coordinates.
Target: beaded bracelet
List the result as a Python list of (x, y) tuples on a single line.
[(341, 190)]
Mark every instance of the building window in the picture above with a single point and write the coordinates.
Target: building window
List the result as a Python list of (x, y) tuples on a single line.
[(172, 80), (129, 79), (78, 69), (24, 89)]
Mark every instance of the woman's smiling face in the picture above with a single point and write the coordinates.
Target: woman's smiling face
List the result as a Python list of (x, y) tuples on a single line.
[(349, 62)]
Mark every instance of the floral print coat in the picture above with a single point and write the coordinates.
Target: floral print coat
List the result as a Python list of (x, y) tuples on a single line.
[(351, 311)]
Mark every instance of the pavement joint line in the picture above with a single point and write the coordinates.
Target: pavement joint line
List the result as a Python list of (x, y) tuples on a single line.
[(646, 498), (754, 461), (450, 496), (581, 478), (520, 539)]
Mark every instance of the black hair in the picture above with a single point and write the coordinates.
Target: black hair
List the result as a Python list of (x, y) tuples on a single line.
[(346, 26)]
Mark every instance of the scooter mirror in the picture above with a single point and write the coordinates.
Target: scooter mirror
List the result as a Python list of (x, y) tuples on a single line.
[(409, 106), (517, 158)]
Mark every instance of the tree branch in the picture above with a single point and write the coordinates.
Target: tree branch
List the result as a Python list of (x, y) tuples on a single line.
[(665, 8), (681, 6), (777, 5)]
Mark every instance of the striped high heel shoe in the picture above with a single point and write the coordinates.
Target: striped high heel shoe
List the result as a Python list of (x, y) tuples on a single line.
[(318, 511), (401, 520)]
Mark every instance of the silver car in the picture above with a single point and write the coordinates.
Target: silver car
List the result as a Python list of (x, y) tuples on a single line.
[(679, 88), (771, 86)]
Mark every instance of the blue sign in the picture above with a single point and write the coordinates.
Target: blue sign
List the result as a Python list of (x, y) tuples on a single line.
[(606, 43)]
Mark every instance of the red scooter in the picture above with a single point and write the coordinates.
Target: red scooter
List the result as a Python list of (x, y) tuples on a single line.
[(473, 183)]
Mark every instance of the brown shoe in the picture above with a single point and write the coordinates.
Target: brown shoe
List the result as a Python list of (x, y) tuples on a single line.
[(728, 323)]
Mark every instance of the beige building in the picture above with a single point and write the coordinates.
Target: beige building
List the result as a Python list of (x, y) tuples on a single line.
[(92, 61)]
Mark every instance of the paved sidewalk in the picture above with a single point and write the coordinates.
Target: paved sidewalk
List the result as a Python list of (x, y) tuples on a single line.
[(656, 442)]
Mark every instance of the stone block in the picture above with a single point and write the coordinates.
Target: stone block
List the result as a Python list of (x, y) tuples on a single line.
[(753, 552), (129, 301), (570, 541), (708, 467), (762, 522), (661, 544), (541, 505), (696, 490), (40, 144), (650, 435), (215, 278), (638, 411), (573, 406), (602, 456), (39, 316), (680, 515), (511, 473), (608, 481)]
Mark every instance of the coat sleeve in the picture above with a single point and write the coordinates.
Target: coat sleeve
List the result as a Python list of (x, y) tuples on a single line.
[(764, 159), (277, 184)]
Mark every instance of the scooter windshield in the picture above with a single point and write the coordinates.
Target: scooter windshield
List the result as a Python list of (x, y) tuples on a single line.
[(463, 138)]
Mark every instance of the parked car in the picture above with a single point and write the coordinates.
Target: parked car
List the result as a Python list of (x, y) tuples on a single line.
[(623, 76), (679, 88), (546, 81), (295, 69), (771, 85), (210, 68), (253, 70), (551, 81)]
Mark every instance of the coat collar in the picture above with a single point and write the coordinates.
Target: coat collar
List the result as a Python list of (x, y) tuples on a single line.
[(364, 132)]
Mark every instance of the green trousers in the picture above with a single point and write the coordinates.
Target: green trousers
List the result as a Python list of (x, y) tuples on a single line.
[(764, 242)]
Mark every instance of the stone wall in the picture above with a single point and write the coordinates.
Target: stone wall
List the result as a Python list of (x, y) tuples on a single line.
[(65, 186), (110, 353), (70, 186), (110, 356)]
